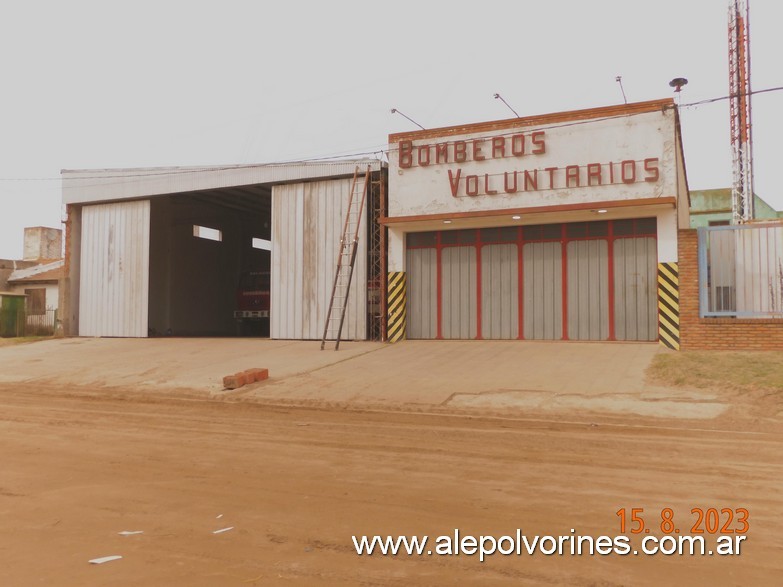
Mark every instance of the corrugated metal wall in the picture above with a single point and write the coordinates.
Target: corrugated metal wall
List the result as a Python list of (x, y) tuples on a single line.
[(759, 270), (114, 277), (741, 271), (543, 290), (307, 222), (422, 311), (635, 289), (459, 308), (499, 292), (588, 289)]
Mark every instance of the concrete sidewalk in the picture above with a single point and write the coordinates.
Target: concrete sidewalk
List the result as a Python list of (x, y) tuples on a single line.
[(500, 376), (485, 375), (162, 363)]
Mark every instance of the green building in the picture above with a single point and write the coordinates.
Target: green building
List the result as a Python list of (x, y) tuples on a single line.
[(713, 208)]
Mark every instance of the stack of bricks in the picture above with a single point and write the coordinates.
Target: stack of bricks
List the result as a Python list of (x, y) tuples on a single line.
[(761, 334), (237, 380)]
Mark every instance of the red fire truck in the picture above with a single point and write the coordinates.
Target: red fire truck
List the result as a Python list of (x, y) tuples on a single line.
[(252, 304)]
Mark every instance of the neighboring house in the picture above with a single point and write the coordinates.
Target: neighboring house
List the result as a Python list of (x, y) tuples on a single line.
[(36, 278), (41, 285), (713, 208)]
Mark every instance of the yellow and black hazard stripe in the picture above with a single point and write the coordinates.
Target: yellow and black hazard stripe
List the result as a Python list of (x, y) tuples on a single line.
[(398, 291), (669, 305)]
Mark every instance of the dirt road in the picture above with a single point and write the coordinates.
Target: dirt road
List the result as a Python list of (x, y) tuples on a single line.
[(296, 483)]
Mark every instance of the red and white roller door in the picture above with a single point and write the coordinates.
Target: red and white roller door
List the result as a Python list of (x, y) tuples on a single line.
[(578, 281)]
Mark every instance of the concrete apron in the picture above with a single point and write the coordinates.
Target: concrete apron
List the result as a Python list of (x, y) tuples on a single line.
[(508, 376)]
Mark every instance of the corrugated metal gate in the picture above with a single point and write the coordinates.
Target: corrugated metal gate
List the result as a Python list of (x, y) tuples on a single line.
[(307, 220), (114, 275), (578, 281)]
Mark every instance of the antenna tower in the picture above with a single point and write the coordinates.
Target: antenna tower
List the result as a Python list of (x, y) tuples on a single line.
[(742, 204)]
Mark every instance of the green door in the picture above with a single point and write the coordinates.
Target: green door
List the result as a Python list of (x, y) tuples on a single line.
[(11, 315)]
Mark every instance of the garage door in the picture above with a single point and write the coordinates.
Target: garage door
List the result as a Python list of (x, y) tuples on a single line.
[(579, 281), (114, 269)]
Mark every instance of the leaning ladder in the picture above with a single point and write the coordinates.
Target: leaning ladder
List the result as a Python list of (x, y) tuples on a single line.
[(346, 256)]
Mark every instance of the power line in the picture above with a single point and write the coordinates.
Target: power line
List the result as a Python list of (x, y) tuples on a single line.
[(711, 100)]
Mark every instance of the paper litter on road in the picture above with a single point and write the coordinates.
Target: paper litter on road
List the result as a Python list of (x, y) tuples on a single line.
[(220, 516), (130, 532), (104, 559), (223, 530)]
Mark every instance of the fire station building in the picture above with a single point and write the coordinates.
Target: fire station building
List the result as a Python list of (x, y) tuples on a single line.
[(555, 227)]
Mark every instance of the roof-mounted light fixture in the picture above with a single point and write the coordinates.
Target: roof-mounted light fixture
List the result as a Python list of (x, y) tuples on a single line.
[(395, 111), (619, 80), (499, 97)]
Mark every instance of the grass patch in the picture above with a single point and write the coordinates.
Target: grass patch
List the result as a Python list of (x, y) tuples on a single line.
[(720, 370)]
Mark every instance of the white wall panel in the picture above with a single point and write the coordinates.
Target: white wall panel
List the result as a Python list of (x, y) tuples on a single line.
[(307, 221), (114, 277)]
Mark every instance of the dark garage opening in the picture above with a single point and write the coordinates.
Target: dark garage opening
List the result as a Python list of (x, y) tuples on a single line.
[(203, 245)]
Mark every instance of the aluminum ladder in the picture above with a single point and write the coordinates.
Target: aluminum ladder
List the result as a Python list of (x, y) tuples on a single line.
[(346, 257)]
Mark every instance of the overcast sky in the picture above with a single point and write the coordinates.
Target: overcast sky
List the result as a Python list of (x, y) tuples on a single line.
[(131, 84)]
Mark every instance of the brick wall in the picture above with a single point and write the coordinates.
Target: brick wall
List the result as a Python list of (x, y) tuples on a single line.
[(716, 333)]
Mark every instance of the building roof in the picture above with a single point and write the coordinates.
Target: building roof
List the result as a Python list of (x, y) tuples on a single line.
[(104, 185), (552, 118), (52, 271)]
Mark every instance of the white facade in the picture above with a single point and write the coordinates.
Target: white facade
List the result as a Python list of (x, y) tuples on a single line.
[(549, 227), (602, 159), (564, 167), (52, 292)]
